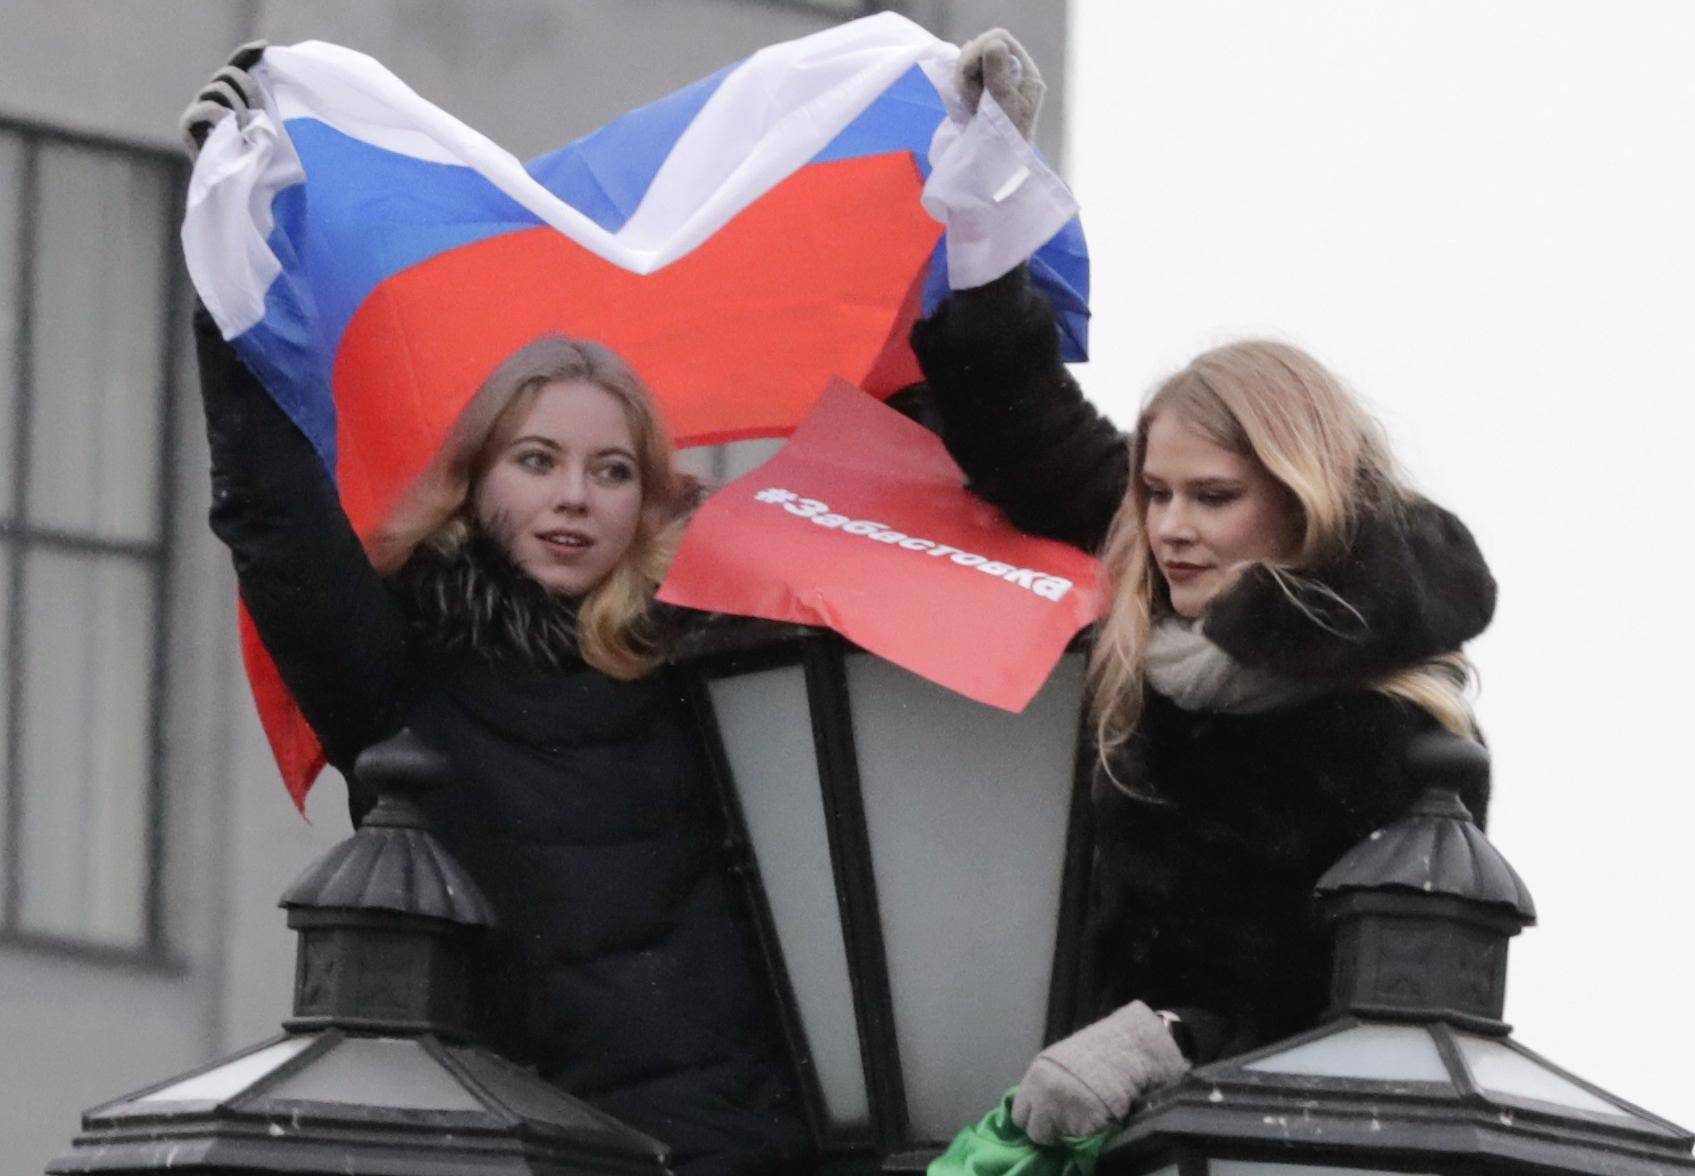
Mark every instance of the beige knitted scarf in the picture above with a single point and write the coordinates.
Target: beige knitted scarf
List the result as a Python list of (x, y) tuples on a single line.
[(1197, 675)]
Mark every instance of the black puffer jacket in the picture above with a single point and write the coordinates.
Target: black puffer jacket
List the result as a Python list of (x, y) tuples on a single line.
[(1205, 863), (624, 967)]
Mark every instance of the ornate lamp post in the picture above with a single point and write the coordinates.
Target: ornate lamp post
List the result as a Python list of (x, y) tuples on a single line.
[(900, 846), (1414, 1071), (373, 1074), (917, 861)]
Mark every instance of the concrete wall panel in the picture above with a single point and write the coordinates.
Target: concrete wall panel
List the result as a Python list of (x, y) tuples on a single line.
[(124, 68), (74, 1034)]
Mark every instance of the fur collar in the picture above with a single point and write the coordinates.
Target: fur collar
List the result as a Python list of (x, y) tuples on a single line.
[(1409, 585), (476, 601)]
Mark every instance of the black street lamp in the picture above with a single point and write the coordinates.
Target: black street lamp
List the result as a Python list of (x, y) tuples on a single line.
[(1413, 1071), (917, 862), (373, 1075)]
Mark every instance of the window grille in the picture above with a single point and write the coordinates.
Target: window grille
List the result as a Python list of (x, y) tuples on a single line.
[(90, 297)]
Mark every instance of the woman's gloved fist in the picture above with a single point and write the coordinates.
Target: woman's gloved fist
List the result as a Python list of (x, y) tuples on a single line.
[(997, 62), (231, 90), (1088, 1081)]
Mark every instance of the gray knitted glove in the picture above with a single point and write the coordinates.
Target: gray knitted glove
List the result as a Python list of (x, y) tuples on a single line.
[(997, 61), (231, 90), (1088, 1081)]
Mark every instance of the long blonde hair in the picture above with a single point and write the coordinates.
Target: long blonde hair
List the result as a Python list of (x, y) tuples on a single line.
[(1276, 404), (615, 629)]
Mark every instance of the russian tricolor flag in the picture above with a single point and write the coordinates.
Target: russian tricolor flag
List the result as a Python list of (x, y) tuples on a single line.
[(742, 242)]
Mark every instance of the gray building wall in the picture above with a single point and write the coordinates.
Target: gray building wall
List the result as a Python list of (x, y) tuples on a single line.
[(77, 1027)]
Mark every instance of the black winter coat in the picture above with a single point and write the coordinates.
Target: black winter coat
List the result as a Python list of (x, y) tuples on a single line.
[(1201, 896), (624, 967)]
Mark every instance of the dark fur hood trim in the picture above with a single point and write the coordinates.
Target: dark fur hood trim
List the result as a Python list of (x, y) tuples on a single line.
[(1411, 584), (477, 601)]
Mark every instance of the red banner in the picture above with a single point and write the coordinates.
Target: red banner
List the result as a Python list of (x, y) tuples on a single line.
[(862, 524)]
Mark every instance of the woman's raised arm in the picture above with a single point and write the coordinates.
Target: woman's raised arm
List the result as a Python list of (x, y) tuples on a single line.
[(1013, 417), (336, 634)]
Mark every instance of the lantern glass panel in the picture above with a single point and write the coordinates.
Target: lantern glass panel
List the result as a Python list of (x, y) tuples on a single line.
[(1500, 1069), (377, 1071), (1387, 1053), (233, 1077), (767, 731), (966, 807), (1256, 1168)]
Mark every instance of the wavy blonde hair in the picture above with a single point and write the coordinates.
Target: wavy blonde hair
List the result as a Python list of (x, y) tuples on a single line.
[(1275, 404), (615, 629)]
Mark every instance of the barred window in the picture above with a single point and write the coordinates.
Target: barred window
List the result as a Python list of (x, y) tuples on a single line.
[(89, 278)]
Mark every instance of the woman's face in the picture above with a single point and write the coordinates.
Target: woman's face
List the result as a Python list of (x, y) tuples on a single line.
[(1209, 512), (565, 494)]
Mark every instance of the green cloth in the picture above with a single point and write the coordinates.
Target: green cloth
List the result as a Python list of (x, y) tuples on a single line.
[(998, 1147)]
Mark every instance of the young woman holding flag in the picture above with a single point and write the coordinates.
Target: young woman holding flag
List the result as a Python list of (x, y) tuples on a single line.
[(505, 614), (1286, 616)]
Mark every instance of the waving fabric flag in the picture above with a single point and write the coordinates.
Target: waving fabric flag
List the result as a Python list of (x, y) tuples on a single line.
[(741, 242)]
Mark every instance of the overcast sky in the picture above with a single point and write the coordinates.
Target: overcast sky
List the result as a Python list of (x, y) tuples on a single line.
[(1480, 215)]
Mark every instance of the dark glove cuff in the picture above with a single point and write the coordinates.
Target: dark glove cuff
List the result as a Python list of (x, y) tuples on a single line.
[(1180, 1033), (1206, 1036)]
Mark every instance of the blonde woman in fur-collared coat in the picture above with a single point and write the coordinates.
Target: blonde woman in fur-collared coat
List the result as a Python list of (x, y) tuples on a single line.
[(1286, 614)]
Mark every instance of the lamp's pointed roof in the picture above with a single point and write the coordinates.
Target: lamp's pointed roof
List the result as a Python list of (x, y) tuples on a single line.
[(1435, 848), (393, 863)]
